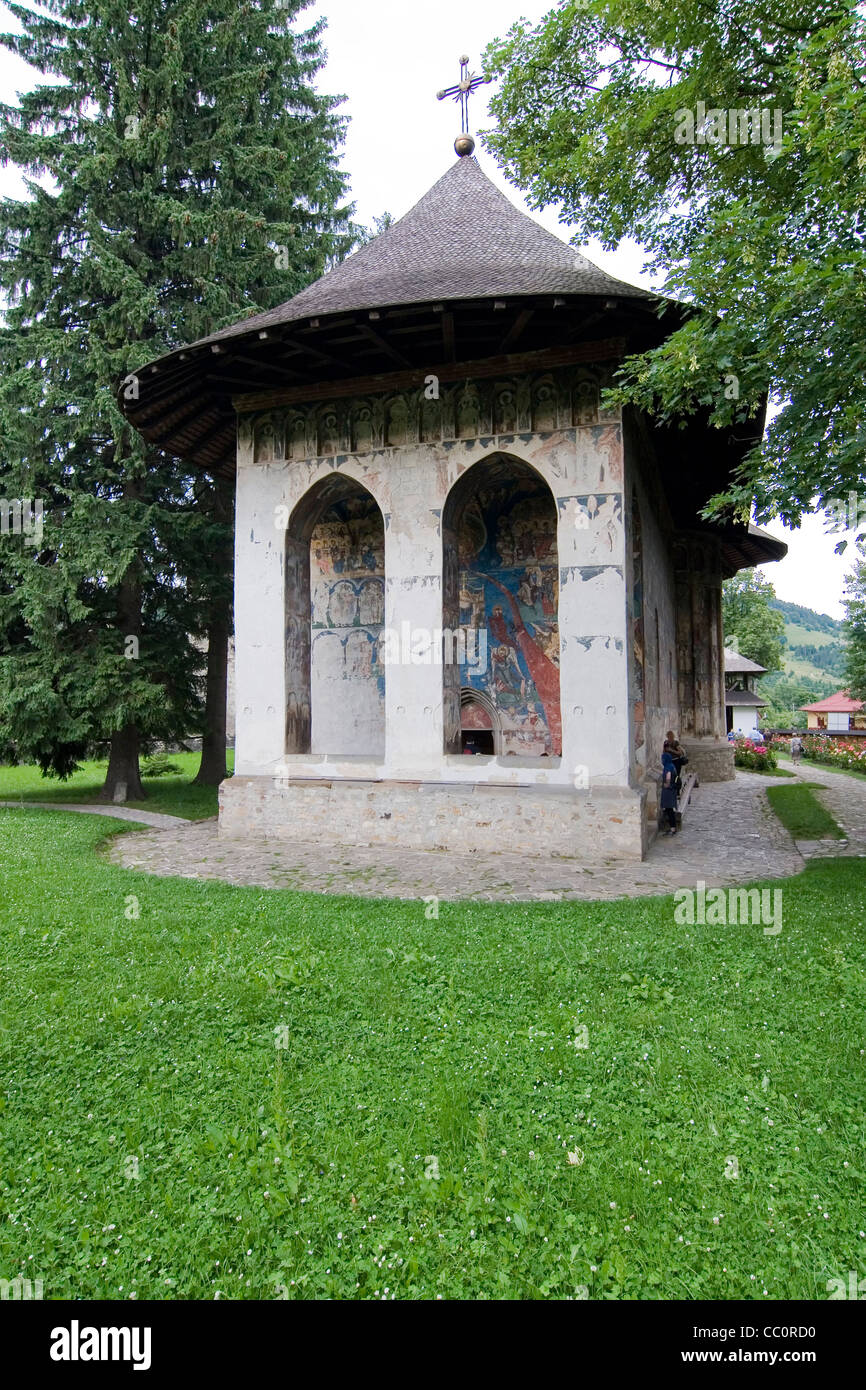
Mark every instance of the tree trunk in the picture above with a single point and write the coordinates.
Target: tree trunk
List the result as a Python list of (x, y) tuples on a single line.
[(123, 779), (212, 768)]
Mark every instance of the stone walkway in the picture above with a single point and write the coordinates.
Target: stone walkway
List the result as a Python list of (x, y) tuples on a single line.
[(729, 836), (845, 799), (152, 818)]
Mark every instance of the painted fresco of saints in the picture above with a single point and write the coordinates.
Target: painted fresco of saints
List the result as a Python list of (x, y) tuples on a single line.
[(545, 536), (526, 591), (343, 605), (533, 736), (319, 603), (501, 631), (371, 603), (507, 677), (504, 542)]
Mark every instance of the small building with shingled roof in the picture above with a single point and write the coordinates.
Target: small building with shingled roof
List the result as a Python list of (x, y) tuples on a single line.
[(470, 596), (742, 701)]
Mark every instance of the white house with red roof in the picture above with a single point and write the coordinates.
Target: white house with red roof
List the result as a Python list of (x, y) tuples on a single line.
[(836, 714)]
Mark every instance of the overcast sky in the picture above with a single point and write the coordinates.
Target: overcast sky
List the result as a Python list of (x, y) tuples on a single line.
[(389, 58)]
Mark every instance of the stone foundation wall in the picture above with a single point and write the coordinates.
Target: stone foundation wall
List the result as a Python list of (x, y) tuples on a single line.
[(711, 759), (589, 826)]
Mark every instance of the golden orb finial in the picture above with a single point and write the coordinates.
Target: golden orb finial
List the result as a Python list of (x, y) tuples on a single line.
[(464, 144)]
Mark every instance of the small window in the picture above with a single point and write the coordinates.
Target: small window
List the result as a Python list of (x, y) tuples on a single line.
[(478, 741)]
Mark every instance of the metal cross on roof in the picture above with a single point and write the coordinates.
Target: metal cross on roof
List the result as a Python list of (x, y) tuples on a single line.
[(462, 91)]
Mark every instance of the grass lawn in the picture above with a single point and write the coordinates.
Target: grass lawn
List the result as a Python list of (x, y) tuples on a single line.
[(172, 795), (272, 1094), (802, 814)]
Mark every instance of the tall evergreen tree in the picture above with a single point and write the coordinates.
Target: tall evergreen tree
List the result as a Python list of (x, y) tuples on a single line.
[(855, 628), (215, 500), (174, 146)]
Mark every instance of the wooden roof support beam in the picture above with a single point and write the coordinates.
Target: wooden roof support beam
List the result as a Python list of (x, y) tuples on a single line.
[(259, 365), (584, 324), (543, 359), (223, 379), (166, 383), (180, 422), (517, 327), (225, 424), (448, 336), (152, 400), (319, 354), (385, 346)]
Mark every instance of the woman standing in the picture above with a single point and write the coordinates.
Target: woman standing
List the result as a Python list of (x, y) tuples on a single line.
[(673, 746), (668, 801)]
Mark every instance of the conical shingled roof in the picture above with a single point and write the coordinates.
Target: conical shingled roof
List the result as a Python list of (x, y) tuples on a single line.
[(463, 240), (463, 277)]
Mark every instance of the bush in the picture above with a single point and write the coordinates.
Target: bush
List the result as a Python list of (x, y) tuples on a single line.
[(158, 765), (757, 757)]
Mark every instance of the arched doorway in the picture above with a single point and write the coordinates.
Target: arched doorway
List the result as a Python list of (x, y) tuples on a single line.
[(479, 723), (335, 612), (501, 589)]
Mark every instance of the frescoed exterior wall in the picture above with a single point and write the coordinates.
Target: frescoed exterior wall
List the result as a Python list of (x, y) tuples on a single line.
[(638, 640), (651, 569), (509, 592), (347, 613), (502, 508), (573, 452)]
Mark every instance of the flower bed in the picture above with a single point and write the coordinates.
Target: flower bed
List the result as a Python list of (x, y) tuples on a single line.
[(836, 752), (780, 743), (757, 757)]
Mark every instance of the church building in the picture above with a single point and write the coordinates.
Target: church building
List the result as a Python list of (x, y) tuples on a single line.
[(469, 600)]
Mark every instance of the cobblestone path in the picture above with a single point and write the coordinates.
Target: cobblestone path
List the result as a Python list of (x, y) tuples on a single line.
[(729, 836)]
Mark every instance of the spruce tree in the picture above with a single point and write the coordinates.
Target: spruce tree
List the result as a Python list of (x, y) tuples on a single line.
[(174, 145)]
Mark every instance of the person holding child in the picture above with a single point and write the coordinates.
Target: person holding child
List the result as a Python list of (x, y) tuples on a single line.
[(669, 794)]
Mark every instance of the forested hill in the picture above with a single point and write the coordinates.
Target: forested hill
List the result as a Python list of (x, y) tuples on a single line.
[(813, 656), (808, 618)]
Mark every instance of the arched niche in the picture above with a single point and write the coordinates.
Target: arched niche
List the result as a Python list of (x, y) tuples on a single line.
[(479, 722), (335, 581), (501, 590)]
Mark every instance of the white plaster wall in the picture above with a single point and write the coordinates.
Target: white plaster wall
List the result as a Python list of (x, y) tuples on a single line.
[(583, 467), (745, 719), (336, 728), (259, 614), (230, 694)]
